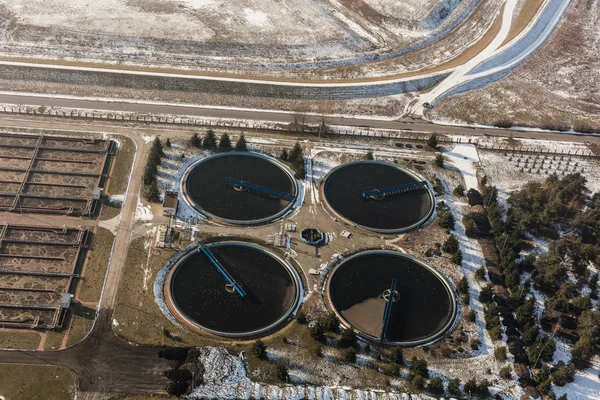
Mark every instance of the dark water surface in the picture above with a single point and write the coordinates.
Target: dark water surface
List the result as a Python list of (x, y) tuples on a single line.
[(344, 187), (198, 289), (207, 188), (425, 306)]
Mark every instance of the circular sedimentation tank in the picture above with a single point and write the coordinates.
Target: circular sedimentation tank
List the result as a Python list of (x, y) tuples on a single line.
[(343, 190), (240, 188), (199, 295), (423, 305)]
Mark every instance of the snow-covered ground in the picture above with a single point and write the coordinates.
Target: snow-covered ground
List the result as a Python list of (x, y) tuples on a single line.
[(557, 86), (464, 157), (225, 377)]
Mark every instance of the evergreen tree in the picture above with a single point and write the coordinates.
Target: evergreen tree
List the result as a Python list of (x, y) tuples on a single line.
[(436, 386), (296, 154), (241, 145), (282, 372), (153, 193), (439, 160), (451, 245), (210, 140), (225, 143), (168, 142), (284, 155), (433, 141), (398, 356), (195, 141), (259, 349), (157, 148), (369, 155), (454, 386), (350, 355), (457, 257)]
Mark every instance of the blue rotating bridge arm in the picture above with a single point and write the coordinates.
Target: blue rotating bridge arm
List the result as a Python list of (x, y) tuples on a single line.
[(222, 270), (395, 189), (261, 189), (388, 311)]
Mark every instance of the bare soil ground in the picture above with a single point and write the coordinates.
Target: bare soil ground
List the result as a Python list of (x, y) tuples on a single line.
[(556, 88)]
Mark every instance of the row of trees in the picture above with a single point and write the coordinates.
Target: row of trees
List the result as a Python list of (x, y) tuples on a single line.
[(209, 142), (150, 190), (295, 157)]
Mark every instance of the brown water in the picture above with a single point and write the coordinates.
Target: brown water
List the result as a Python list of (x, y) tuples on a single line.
[(424, 309)]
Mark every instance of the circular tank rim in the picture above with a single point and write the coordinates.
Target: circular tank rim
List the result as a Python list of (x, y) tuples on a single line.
[(440, 333), (182, 317), (261, 221), (410, 173)]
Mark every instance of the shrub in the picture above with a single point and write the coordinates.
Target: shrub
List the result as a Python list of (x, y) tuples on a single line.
[(398, 357), (317, 331), (433, 141), (301, 317), (506, 372), (470, 228), (439, 160), (480, 274), (500, 353), (471, 316), (485, 296), (459, 191), (318, 350), (451, 246), (436, 386), (390, 369), (259, 349), (417, 383), (282, 372), (168, 142), (454, 386), (347, 338), (418, 367), (331, 323), (563, 374), (369, 155), (463, 285), (457, 257), (350, 355)]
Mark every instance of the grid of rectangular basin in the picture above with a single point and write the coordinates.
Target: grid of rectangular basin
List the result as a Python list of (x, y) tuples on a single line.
[(37, 266), (51, 174)]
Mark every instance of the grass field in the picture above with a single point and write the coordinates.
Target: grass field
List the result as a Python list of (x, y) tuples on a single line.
[(121, 167), (24, 340), (95, 269), (36, 382)]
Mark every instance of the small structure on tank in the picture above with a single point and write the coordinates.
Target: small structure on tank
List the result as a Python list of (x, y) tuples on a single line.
[(169, 205), (313, 236)]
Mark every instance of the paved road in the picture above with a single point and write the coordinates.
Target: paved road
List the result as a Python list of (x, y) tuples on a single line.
[(282, 117)]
